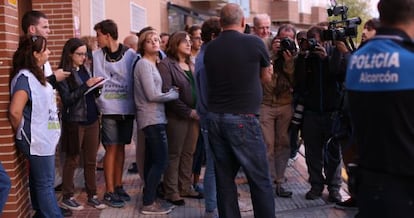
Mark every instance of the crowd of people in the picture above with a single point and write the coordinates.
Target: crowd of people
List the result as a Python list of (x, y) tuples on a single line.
[(198, 96)]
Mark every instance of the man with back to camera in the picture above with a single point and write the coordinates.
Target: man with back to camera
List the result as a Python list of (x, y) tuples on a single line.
[(380, 88), (234, 75)]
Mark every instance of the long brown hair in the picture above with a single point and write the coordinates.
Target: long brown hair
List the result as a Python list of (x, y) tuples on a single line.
[(173, 43), (23, 58)]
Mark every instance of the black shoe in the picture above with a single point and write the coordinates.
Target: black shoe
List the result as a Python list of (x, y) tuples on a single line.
[(313, 194), (120, 191), (133, 168), (113, 200), (58, 188), (65, 212), (180, 202), (334, 197), (348, 204), (283, 193)]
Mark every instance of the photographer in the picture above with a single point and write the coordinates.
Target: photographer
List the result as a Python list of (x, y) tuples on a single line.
[(276, 111), (319, 73)]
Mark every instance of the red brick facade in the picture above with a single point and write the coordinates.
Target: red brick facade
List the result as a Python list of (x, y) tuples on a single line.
[(60, 14)]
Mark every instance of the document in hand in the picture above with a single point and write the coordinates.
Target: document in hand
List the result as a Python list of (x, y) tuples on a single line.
[(98, 84)]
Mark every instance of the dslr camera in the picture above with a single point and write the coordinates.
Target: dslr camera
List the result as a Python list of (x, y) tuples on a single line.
[(308, 44), (341, 29), (287, 44)]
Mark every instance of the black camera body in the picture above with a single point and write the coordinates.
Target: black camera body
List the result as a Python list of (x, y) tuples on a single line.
[(308, 44), (341, 29), (287, 44)]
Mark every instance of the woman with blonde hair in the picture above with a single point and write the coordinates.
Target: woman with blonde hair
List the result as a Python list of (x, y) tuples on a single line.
[(149, 102)]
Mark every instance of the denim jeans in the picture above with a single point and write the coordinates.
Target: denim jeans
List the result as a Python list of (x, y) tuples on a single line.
[(237, 141), (199, 155), (5, 186), (41, 182), (209, 183), (156, 159)]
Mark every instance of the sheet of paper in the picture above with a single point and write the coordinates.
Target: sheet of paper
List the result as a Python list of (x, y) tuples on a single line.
[(95, 86)]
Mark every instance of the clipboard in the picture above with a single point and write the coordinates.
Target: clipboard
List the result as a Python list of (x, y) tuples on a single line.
[(96, 86)]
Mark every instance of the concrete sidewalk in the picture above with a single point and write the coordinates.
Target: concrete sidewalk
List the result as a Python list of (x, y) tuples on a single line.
[(295, 207)]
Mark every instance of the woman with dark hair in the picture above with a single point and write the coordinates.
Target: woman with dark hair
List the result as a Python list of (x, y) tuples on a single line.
[(80, 123), (34, 119), (183, 128)]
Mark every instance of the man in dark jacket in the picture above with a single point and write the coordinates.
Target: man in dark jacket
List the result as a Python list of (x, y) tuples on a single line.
[(319, 77)]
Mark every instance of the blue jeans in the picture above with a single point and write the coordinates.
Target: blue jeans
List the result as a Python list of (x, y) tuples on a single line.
[(41, 182), (209, 183), (156, 159), (199, 155), (5, 186), (237, 141)]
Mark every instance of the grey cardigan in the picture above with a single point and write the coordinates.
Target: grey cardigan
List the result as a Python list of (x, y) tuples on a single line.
[(149, 99)]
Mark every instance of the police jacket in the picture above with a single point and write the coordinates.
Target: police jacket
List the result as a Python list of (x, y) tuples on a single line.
[(380, 84)]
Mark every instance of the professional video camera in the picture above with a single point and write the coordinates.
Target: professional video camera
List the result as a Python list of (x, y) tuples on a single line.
[(341, 29)]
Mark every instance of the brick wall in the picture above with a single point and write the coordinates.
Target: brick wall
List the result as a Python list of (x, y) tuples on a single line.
[(18, 201), (60, 13)]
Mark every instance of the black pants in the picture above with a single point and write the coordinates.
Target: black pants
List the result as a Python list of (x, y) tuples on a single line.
[(382, 195)]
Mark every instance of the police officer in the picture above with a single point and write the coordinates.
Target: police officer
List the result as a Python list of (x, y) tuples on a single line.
[(380, 83)]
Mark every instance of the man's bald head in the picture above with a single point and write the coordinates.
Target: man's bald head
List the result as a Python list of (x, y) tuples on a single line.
[(231, 15), (131, 41)]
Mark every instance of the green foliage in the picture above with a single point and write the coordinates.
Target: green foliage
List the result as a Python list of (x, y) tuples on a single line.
[(356, 8)]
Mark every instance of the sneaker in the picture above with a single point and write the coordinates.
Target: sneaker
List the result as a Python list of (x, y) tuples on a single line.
[(178, 202), (155, 209), (348, 204), (71, 203), (133, 168), (94, 202), (334, 197), (212, 214), (282, 192), (199, 188), (166, 204), (313, 194), (119, 190), (113, 200), (191, 193), (65, 212)]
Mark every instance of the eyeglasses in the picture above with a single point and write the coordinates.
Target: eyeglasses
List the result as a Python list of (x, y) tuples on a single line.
[(81, 54), (197, 38)]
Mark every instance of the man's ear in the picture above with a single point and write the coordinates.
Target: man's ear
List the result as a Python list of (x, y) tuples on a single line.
[(243, 23), (32, 30)]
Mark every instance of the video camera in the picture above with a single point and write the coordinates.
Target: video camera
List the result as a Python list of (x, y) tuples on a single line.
[(341, 29)]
